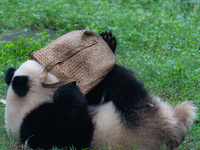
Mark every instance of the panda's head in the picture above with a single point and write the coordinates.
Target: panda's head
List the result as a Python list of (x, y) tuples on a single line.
[(25, 93), (24, 82)]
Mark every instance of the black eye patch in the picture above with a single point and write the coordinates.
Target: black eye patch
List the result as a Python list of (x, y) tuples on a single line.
[(20, 85)]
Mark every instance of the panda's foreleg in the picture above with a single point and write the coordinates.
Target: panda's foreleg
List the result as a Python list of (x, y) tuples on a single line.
[(77, 121), (94, 97)]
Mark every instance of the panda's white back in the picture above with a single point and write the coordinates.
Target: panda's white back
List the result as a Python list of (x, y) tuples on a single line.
[(16, 106)]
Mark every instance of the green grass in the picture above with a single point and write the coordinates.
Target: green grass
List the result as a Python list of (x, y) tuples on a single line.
[(158, 39)]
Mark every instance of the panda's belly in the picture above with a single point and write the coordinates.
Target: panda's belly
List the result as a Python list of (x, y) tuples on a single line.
[(109, 130)]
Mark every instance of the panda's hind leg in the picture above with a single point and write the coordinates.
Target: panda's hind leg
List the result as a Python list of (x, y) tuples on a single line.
[(184, 114), (126, 92)]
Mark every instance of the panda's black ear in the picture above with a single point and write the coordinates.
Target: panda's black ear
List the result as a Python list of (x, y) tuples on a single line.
[(20, 85), (9, 74)]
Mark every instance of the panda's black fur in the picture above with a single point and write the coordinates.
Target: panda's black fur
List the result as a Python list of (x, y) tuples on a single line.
[(132, 119)]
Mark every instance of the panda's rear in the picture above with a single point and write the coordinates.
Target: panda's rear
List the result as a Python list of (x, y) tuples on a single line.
[(157, 124)]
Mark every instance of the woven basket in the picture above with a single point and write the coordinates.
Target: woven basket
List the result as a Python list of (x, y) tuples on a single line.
[(81, 56)]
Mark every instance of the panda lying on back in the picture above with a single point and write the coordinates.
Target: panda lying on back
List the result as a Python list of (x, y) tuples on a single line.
[(61, 117)]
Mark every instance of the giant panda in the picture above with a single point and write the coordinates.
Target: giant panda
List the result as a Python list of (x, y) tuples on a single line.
[(133, 119), (64, 117)]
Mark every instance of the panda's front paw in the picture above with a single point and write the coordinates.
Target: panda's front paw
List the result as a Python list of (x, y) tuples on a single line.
[(110, 40), (65, 92)]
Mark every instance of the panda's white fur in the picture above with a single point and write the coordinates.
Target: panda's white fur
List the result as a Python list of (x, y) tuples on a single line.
[(167, 125), (17, 107)]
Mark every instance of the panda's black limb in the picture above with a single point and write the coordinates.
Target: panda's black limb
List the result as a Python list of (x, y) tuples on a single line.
[(94, 97), (64, 123), (126, 92), (110, 40)]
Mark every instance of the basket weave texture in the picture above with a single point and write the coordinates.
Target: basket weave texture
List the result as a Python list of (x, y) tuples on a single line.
[(81, 56)]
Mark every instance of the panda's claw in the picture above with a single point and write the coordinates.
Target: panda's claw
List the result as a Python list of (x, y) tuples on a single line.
[(110, 34), (114, 40), (109, 39)]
